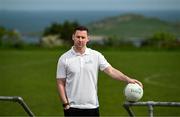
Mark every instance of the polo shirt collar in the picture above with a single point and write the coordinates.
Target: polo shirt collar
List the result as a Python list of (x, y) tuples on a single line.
[(87, 51)]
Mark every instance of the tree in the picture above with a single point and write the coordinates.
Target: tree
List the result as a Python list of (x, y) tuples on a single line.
[(13, 38), (54, 29), (64, 31), (163, 39), (2, 34), (10, 38), (68, 28)]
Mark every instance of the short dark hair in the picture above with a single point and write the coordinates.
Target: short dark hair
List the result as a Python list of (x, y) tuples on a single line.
[(81, 28)]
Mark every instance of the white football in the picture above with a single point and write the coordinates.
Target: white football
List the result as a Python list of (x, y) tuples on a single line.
[(133, 92)]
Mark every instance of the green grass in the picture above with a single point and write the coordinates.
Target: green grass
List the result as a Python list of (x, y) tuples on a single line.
[(31, 75)]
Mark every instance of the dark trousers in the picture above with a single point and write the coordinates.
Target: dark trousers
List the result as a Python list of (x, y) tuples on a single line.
[(81, 112)]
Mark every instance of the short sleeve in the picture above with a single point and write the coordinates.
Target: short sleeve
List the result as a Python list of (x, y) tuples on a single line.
[(103, 64), (61, 69)]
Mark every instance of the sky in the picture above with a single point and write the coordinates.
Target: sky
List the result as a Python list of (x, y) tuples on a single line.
[(89, 4)]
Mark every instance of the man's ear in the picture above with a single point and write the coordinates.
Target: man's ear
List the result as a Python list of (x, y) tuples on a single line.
[(88, 38), (73, 37)]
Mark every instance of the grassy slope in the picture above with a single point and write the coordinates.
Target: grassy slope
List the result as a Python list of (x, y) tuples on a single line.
[(131, 25), (31, 74)]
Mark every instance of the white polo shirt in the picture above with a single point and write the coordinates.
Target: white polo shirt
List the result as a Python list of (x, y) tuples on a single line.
[(81, 74)]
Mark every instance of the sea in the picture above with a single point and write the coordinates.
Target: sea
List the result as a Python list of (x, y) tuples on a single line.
[(32, 22)]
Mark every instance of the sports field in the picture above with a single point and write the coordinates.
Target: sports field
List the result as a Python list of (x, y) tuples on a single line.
[(31, 75)]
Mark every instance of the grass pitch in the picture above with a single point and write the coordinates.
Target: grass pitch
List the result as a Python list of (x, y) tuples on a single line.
[(31, 75)]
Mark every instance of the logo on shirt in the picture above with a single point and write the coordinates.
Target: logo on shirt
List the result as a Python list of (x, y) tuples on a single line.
[(88, 62)]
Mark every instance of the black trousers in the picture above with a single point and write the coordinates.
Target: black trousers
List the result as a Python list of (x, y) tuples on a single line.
[(81, 112)]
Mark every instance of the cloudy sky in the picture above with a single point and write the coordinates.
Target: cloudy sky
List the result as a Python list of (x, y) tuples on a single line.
[(89, 4)]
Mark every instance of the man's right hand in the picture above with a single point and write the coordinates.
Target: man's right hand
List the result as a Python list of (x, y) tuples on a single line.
[(67, 107)]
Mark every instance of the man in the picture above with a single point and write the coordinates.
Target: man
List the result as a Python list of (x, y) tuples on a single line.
[(77, 76)]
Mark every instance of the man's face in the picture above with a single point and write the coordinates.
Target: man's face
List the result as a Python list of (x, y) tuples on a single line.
[(80, 38)]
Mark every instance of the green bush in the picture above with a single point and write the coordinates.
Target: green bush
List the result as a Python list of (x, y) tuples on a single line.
[(163, 39)]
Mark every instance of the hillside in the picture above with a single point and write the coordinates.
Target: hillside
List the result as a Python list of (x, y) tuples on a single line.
[(132, 25)]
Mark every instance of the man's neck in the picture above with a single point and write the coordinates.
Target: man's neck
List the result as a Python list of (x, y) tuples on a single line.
[(79, 50)]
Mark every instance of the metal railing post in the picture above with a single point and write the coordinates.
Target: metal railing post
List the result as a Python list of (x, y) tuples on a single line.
[(20, 101), (150, 110), (130, 112), (149, 104)]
